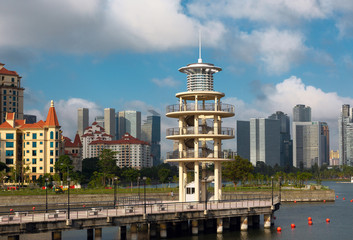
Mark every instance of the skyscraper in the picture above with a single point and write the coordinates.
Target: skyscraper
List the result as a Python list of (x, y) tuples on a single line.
[(11, 94), (243, 139), (151, 133), (301, 113), (109, 121), (345, 128), (82, 120), (99, 120), (130, 122), (286, 144), (265, 141)]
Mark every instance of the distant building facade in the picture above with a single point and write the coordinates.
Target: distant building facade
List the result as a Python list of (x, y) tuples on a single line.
[(31, 149), (243, 139), (151, 133), (130, 122), (345, 131), (30, 118), (11, 94), (301, 113), (82, 120), (74, 151), (130, 152), (334, 158), (99, 120), (93, 133), (109, 121)]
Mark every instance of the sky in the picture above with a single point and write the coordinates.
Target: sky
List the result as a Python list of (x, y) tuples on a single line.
[(126, 55)]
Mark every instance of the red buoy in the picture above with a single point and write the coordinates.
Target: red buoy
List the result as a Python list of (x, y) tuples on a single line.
[(336, 196), (327, 220), (295, 201), (344, 198), (279, 229), (324, 201), (11, 210), (84, 206), (34, 208), (310, 222), (292, 225), (310, 219)]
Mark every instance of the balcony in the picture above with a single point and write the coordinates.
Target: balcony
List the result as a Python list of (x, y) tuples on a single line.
[(202, 130), (222, 107), (191, 154)]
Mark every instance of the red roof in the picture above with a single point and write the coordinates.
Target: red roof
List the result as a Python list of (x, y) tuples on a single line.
[(126, 139), (52, 119), (77, 141), (5, 125), (7, 72), (10, 115)]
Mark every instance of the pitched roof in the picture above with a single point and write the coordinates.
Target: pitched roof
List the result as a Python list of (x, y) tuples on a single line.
[(52, 119), (10, 116), (77, 141), (5, 125), (7, 72), (126, 139)]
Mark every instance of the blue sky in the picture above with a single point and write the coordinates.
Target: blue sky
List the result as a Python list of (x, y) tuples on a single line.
[(126, 54)]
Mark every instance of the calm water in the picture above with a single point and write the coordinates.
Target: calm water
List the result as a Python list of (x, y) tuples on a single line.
[(340, 213)]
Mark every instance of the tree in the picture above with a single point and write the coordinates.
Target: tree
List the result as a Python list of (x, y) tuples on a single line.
[(107, 163), (131, 175), (64, 166), (163, 175), (89, 166), (237, 170)]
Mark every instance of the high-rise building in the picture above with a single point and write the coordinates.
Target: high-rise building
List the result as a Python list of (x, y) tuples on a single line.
[(130, 122), (109, 121), (82, 120), (325, 135), (334, 158), (345, 129), (11, 94), (199, 132), (286, 143), (99, 120), (151, 133), (31, 149), (93, 133), (30, 118), (301, 113), (265, 141), (243, 139)]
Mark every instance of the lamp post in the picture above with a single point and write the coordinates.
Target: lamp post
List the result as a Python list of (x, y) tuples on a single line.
[(68, 198), (280, 184), (3, 181), (46, 194), (272, 188), (115, 178), (138, 186), (144, 193)]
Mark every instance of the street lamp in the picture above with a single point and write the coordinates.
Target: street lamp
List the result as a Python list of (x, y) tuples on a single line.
[(3, 181), (272, 188), (68, 198), (46, 194), (138, 186), (280, 184), (115, 178), (144, 192)]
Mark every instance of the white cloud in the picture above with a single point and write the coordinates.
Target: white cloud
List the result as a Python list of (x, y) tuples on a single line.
[(165, 82), (276, 50), (83, 26)]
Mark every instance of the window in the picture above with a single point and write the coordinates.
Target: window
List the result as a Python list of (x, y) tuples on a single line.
[(40, 134), (34, 161), (34, 152), (14, 92), (51, 169), (4, 103), (51, 135), (51, 161), (9, 135), (51, 153), (34, 144), (33, 177), (14, 98), (9, 144), (12, 79), (34, 169), (41, 159), (51, 144), (34, 135), (41, 143), (56, 144), (4, 97), (27, 151), (14, 109), (57, 152), (27, 143), (14, 104), (27, 160), (4, 91), (40, 168), (9, 161), (9, 152), (41, 151), (56, 135)]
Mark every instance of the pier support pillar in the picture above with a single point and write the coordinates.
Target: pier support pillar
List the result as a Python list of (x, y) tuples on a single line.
[(133, 231), (219, 225), (244, 223), (267, 220), (98, 234), (90, 234), (56, 235), (256, 221), (195, 227), (163, 230), (201, 225), (122, 232), (14, 237), (153, 230)]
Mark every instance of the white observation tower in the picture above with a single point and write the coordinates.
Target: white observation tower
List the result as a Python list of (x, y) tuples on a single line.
[(200, 133)]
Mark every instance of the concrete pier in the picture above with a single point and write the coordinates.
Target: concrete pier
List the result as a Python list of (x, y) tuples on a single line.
[(195, 227), (163, 230), (244, 223), (219, 225), (267, 220), (56, 235), (90, 234), (98, 234)]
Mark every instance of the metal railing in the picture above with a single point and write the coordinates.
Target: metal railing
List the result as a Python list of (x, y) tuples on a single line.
[(191, 154), (227, 131), (222, 107)]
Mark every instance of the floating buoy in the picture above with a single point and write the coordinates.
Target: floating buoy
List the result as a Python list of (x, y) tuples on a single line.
[(295, 201), (34, 208), (292, 225), (351, 200), (324, 201), (310, 219), (344, 198), (279, 229), (310, 222), (327, 220), (274, 217), (84, 206), (336, 196)]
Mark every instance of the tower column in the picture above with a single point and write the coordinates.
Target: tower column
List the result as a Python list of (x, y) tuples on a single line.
[(216, 181), (197, 180), (181, 182)]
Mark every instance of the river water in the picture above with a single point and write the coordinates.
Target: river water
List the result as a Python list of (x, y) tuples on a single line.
[(339, 212)]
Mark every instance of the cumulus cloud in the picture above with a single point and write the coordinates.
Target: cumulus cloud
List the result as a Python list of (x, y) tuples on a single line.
[(276, 50), (325, 106), (165, 82), (83, 26), (66, 111)]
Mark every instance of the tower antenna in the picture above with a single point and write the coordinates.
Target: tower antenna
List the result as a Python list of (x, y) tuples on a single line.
[(200, 59)]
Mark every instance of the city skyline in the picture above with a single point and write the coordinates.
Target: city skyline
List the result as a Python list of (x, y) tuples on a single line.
[(271, 60)]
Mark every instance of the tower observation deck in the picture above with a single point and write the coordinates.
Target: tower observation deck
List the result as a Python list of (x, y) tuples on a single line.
[(200, 133)]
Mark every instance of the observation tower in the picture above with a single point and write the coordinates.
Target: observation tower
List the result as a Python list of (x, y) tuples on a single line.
[(200, 133)]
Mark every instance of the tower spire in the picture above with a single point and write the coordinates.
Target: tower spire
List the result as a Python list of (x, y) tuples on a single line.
[(200, 59)]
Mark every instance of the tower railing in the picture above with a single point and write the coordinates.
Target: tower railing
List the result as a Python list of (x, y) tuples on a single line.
[(227, 131), (222, 107), (191, 154)]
